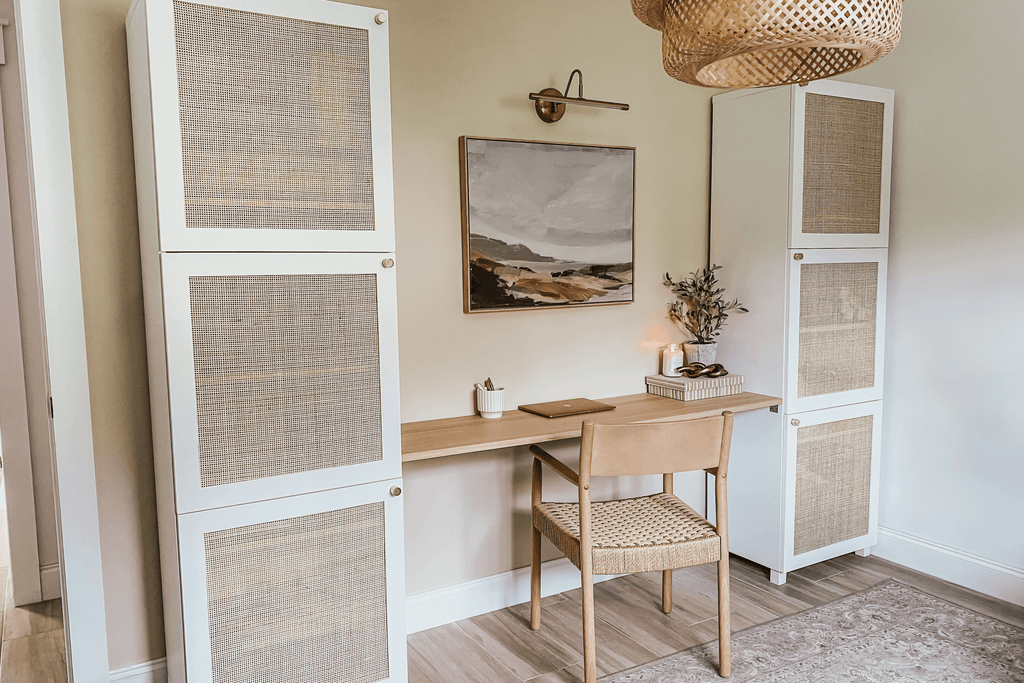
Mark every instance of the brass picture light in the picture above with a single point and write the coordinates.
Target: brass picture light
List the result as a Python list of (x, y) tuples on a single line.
[(551, 103)]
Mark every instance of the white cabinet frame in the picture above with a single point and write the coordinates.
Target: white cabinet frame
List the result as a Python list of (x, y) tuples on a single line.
[(51, 184), (195, 604), (795, 403), (176, 270), (792, 561), (166, 151), (799, 240)]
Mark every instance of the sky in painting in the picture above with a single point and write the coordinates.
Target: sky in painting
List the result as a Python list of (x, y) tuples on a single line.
[(568, 202)]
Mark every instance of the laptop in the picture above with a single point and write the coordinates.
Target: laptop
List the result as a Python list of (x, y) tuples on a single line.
[(571, 406)]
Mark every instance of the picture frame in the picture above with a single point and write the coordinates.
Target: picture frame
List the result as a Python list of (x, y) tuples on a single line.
[(546, 224)]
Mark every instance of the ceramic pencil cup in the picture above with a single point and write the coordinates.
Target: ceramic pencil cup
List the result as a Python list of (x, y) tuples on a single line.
[(490, 403)]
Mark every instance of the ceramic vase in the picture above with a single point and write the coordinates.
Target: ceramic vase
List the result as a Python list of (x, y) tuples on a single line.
[(700, 353)]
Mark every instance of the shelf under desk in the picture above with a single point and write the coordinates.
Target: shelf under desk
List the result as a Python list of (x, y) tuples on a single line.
[(472, 433)]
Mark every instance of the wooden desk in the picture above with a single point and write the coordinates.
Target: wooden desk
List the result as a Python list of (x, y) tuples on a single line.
[(455, 435)]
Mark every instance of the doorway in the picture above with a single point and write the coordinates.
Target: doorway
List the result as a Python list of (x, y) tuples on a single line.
[(32, 645)]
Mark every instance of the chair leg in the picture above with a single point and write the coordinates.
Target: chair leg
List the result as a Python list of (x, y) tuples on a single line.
[(724, 631), (535, 580), (589, 636), (666, 591)]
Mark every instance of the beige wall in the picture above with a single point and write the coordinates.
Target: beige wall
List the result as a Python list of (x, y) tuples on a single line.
[(464, 68), (96, 64)]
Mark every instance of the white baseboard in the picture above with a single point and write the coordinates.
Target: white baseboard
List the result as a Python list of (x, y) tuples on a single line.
[(147, 672), (465, 600), (49, 581), (950, 564), (434, 608)]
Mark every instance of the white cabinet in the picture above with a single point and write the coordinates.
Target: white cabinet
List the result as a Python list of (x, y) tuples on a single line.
[(257, 125), (284, 374), (835, 327), (296, 589), (815, 162), (841, 168), (832, 487), (267, 238), (800, 223)]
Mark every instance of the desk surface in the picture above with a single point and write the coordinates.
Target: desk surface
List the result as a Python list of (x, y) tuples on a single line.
[(455, 435)]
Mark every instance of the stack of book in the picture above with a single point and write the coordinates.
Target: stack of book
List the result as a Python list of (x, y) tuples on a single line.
[(686, 389)]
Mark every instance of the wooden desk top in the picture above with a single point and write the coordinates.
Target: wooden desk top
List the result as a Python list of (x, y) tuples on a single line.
[(472, 433)]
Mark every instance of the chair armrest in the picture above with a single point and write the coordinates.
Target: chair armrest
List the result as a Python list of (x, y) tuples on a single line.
[(555, 464)]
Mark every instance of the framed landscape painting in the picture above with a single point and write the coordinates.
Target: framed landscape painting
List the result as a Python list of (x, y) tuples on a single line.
[(545, 224)]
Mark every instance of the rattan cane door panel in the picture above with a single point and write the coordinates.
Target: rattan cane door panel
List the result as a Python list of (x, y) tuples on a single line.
[(283, 378), (278, 138), (287, 373), (838, 304), (832, 482), (275, 127), (301, 589), (842, 165), (837, 308)]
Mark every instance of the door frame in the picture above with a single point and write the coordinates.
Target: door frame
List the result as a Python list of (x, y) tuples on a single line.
[(22, 531)]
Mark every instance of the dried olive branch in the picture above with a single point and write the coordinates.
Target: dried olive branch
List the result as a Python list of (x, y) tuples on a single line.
[(701, 308)]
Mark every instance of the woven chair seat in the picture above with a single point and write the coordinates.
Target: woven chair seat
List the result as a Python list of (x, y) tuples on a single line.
[(646, 534)]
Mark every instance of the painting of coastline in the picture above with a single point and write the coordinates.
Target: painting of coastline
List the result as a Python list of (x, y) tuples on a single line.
[(546, 224)]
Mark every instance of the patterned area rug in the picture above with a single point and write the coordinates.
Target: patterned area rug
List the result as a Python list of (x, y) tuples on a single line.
[(887, 633)]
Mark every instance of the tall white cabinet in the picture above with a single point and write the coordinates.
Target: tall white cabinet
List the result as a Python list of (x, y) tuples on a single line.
[(800, 221), (263, 163)]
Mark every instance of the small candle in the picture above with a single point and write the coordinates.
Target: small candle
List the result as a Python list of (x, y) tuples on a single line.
[(672, 360)]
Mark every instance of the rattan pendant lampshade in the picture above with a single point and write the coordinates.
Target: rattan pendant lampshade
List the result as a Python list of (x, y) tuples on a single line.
[(751, 43)]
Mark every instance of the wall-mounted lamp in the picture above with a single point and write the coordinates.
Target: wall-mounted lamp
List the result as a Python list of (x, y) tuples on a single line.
[(551, 103)]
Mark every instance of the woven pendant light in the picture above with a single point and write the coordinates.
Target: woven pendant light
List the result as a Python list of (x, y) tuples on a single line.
[(751, 43)]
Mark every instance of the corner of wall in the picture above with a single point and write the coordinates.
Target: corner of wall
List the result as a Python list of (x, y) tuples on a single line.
[(951, 564)]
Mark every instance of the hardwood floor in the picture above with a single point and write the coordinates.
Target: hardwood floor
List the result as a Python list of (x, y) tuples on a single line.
[(499, 647), (32, 644)]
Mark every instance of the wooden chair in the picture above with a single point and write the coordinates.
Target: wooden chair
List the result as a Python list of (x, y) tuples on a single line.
[(658, 532)]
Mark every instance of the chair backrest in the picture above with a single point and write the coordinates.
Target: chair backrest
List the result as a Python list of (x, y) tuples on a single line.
[(656, 448)]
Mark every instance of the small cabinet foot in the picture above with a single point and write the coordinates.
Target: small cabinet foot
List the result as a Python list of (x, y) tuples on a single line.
[(778, 578), (864, 552)]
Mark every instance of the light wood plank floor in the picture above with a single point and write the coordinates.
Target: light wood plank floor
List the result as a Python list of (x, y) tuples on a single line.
[(499, 647), (32, 645)]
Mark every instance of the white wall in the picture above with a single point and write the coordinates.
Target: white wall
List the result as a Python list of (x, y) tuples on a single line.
[(951, 501)]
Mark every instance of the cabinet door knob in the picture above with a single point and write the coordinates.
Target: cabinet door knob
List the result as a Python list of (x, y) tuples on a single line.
[(396, 490), (388, 263), (381, 18), (798, 257), (795, 422)]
